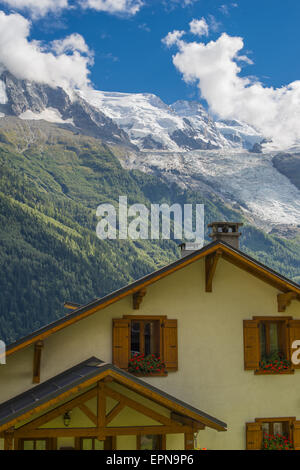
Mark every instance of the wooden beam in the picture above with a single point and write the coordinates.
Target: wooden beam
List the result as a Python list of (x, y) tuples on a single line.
[(139, 407), (211, 262), (94, 432), (9, 439), (114, 412), (164, 401), (58, 411), (187, 421), (72, 305), (284, 300), (37, 355), (85, 409), (101, 409), (137, 298)]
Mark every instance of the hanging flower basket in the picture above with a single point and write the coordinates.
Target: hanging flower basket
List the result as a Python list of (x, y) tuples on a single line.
[(276, 442), (146, 365)]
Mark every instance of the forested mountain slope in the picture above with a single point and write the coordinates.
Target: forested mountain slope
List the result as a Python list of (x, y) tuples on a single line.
[(51, 182)]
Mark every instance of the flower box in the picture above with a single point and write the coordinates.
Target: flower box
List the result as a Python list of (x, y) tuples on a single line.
[(142, 365), (276, 442), (275, 363)]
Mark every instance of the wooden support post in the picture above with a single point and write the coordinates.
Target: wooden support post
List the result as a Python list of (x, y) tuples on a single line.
[(211, 262), (101, 410), (284, 300), (189, 441), (36, 377), (9, 439), (137, 298)]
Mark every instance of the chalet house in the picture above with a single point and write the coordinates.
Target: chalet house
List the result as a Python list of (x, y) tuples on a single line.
[(216, 328)]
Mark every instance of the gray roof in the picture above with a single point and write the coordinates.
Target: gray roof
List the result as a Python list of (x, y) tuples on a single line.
[(52, 388), (148, 277)]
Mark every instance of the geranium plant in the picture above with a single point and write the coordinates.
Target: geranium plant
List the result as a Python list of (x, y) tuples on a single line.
[(275, 362), (141, 364), (276, 442)]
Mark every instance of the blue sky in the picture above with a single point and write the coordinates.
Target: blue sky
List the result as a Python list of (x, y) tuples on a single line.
[(129, 55), (239, 57)]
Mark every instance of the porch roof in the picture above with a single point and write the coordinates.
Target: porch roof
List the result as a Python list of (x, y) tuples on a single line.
[(86, 374)]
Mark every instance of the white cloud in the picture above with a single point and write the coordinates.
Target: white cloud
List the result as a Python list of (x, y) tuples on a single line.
[(199, 27), (37, 8), (72, 43), (60, 64), (127, 7), (173, 38), (214, 68)]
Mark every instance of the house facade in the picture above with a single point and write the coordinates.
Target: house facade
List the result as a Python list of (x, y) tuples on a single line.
[(217, 319)]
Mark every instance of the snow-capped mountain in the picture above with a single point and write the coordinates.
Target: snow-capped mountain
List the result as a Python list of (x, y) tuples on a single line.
[(180, 143), (140, 119), (34, 101), (239, 133), (153, 125)]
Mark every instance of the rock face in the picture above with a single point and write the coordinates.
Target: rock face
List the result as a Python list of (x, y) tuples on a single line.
[(200, 126), (239, 133), (30, 100), (289, 165)]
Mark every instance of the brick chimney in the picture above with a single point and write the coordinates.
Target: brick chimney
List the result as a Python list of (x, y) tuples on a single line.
[(227, 232)]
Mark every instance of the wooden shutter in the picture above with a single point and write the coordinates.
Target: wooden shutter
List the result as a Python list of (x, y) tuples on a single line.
[(170, 344), (251, 344), (254, 436), (296, 435), (120, 343), (294, 334)]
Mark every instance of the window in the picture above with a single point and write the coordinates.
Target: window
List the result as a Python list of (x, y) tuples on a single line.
[(91, 443), (135, 334), (150, 442), (273, 433), (145, 337), (267, 344), (35, 444), (272, 338)]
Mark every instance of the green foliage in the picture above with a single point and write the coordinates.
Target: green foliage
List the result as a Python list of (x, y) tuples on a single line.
[(146, 365), (276, 442), (51, 182)]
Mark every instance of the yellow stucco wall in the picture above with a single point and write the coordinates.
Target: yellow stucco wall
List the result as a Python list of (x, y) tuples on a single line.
[(211, 374)]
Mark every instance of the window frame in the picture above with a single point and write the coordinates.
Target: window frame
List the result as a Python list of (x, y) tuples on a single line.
[(284, 321), (143, 319), (168, 341), (289, 421), (50, 443)]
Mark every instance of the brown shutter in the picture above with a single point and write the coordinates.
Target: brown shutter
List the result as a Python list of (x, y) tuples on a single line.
[(254, 436), (120, 343), (296, 435), (294, 334), (170, 344), (251, 344)]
